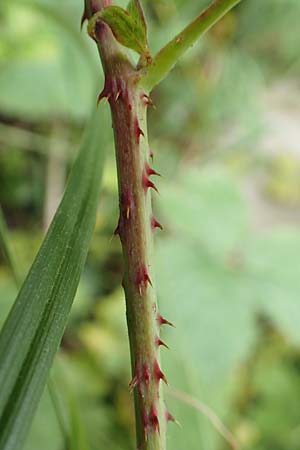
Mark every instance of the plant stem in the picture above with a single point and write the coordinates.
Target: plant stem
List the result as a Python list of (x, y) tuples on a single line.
[(168, 56), (127, 89), (135, 230), (128, 104)]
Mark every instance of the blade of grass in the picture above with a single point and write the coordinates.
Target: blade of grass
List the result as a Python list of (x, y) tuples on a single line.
[(57, 407), (32, 332), (78, 438), (7, 250), (67, 409), (11, 260)]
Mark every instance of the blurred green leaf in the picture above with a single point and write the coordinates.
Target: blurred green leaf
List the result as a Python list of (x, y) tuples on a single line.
[(212, 305), (226, 274), (270, 385), (273, 264), (46, 63), (33, 330)]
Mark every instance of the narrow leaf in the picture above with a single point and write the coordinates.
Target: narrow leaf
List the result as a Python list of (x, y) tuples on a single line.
[(78, 438), (5, 246), (32, 332), (7, 250), (125, 28)]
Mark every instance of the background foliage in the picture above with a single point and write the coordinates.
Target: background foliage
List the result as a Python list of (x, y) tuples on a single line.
[(225, 136)]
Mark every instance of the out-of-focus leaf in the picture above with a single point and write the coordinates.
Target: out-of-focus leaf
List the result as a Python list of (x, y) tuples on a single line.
[(222, 274), (32, 332), (96, 414), (46, 65), (273, 263), (206, 293)]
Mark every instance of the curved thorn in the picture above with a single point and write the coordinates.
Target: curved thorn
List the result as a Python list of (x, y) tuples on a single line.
[(147, 183), (159, 343), (149, 171), (159, 375), (171, 418), (162, 321), (155, 223)]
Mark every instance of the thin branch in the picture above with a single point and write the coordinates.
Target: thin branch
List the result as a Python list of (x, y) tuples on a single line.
[(209, 413), (167, 57)]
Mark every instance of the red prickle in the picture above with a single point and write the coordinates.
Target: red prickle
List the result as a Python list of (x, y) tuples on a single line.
[(137, 131), (171, 418), (155, 224), (159, 343), (154, 419), (162, 321), (117, 229), (147, 183), (105, 93), (149, 171), (159, 375), (142, 278)]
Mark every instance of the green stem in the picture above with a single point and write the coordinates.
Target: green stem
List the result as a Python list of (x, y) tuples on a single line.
[(167, 57), (128, 104), (126, 89)]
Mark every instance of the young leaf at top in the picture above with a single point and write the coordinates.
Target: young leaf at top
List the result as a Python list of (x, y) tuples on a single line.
[(128, 28)]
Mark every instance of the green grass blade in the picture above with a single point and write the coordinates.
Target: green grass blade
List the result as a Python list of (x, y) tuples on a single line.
[(78, 438), (32, 332), (58, 410), (7, 250), (9, 255)]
